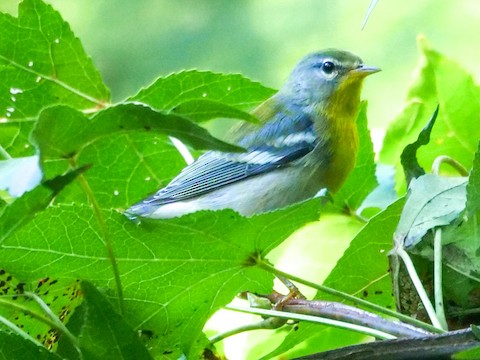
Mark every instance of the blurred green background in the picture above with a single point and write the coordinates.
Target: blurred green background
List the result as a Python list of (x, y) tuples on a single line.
[(133, 42)]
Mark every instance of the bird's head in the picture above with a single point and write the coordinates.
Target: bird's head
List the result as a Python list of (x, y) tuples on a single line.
[(325, 76)]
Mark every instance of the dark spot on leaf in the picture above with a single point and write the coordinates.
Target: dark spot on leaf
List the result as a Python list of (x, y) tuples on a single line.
[(41, 282), (295, 328), (9, 278), (69, 155), (2, 272), (147, 127), (121, 127), (166, 352), (378, 292), (2, 283), (19, 289), (365, 293), (53, 282), (148, 334)]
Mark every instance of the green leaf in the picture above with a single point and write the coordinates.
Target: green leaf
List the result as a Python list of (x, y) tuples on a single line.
[(25, 208), (470, 354), (61, 296), (57, 141), (362, 180), (362, 271), (103, 334), (441, 81), (411, 167), (175, 90), (47, 67), (131, 155), (174, 273), (459, 99), (14, 347), (432, 201), (200, 110)]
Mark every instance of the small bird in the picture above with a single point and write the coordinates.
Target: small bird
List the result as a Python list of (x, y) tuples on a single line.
[(307, 141)]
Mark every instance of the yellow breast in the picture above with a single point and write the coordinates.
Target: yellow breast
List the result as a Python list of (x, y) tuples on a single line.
[(344, 144)]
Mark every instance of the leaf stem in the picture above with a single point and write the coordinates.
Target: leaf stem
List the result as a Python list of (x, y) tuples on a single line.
[(106, 236), (437, 278), (56, 321), (51, 320), (407, 319), (182, 149), (419, 287), (315, 319), (17, 330), (267, 324), (440, 160)]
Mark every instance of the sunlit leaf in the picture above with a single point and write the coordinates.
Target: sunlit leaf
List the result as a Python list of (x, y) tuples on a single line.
[(174, 273), (48, 66)]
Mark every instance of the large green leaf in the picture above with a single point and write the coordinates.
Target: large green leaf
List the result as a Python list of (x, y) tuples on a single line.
[(174, 273), (42, 63), (127, 146), (102, 333), (444, 82), (204, 95), (176, 90), (57, 141)]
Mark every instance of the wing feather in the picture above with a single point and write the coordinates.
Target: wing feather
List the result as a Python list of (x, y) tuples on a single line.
[(265, 152), (215, 170)]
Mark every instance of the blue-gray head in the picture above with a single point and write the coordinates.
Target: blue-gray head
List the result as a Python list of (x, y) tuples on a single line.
[(321, 75)]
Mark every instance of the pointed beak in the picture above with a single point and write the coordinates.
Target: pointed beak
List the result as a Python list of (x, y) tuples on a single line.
[(365, 70)]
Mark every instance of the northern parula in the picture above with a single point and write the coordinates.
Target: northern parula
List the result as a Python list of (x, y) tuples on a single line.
[(307, 141)]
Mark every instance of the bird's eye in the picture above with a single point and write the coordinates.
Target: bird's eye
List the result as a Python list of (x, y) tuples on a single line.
[(328, 67)]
